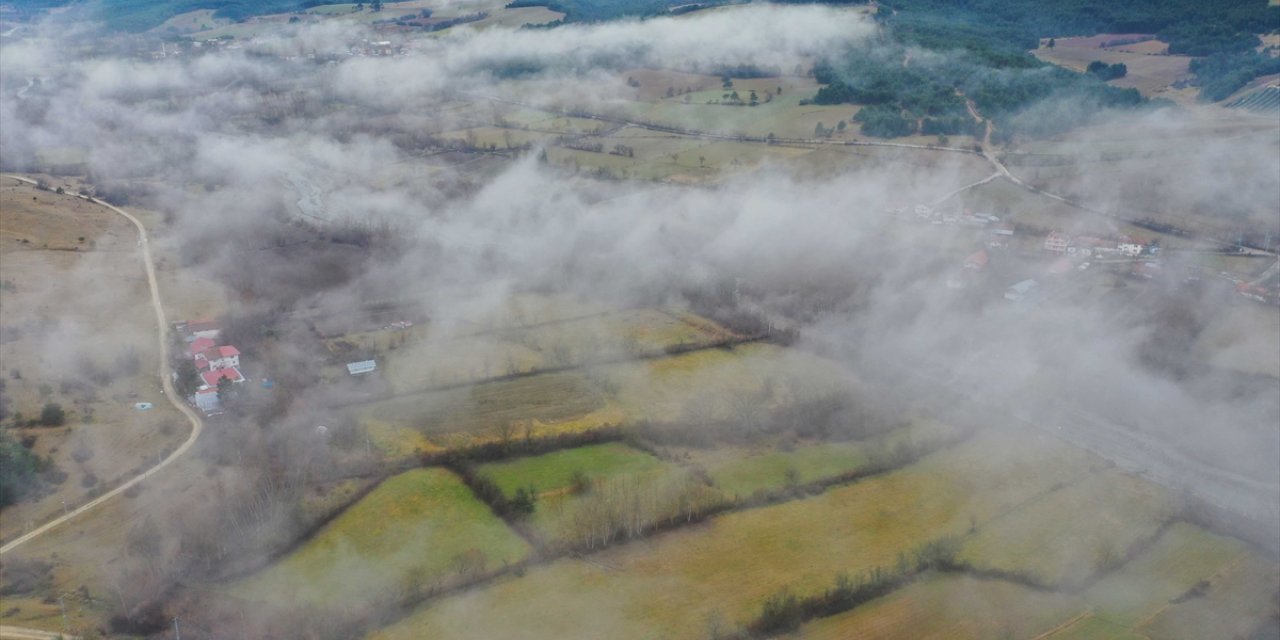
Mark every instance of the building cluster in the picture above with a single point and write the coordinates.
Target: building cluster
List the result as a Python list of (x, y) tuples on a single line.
[(1090, 246), (214, 362)]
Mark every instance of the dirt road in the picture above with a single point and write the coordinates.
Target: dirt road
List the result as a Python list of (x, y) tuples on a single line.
[(165, 381)]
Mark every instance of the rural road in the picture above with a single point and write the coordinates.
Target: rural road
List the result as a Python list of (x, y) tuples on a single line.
[(165, 380)]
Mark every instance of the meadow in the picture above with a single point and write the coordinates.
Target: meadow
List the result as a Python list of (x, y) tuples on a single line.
[(423, 526)]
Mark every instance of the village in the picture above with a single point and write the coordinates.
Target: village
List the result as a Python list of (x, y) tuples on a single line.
[(1046, 259)]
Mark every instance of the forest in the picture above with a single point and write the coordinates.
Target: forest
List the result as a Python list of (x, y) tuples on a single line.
[(927, 96)]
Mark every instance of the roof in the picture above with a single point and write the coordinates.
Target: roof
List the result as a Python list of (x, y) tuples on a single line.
[(202, 325), (364, 366), (1024, 286), (978, 259), (228, 351), (212, 378), (201, 363), (200, 344)]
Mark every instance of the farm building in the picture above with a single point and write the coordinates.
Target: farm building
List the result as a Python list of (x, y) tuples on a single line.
[(362, 367)]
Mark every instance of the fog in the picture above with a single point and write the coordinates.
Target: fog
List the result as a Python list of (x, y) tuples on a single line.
[(259, 159)]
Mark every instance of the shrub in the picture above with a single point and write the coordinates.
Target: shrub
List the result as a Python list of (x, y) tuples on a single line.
[(52, 415)]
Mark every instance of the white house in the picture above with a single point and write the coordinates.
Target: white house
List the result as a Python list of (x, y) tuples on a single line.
[(364, 366), (1131, 249), (207, 400), (223, 357)]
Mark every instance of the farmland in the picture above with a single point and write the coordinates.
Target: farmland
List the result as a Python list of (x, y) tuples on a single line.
[(1112, 512), (554, 472), (672, 584), (421, 526), (951, 607)]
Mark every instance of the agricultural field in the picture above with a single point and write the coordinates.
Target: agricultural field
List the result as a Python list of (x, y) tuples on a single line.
[(672, 584), (79, 332), (742, 472), (1071, 534), (1181, 557), (421, 526), (1150, 69), (554, 473), (950, 608), (1232, 606), (426, 356), (546, 404), (706, 385)]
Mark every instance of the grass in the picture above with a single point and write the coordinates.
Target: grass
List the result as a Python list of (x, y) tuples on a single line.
[(724, 382), (480, 411), (669, 585), (741, 473), (1184, 555), (950, 607), (418, 521), (1236, 604), (553, 472), (73, 278), (1091, 627), (1065, 537)]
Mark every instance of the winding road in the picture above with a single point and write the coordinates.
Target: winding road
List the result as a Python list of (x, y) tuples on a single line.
[(165, 381)]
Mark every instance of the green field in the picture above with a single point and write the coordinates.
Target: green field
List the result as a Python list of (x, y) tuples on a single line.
[(950, 608), (418, 525), (1067, 536), (669, 585), (553, 472), (1091, 627)]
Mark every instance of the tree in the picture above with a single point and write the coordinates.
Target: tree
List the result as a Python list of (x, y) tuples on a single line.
[(52, 415), (376, 5), (524, 503), (841, 125), (755, 100), (726, 82), (18, 469), (1052, 43), (188, 378)]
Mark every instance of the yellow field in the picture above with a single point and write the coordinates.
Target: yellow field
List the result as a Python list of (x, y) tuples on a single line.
[(669, 585), (1244, 595), (950, 608), (415, 526), (1067, 536)]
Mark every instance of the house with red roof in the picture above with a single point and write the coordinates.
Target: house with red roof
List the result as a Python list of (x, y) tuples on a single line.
[(977, 261), (213, 377)]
